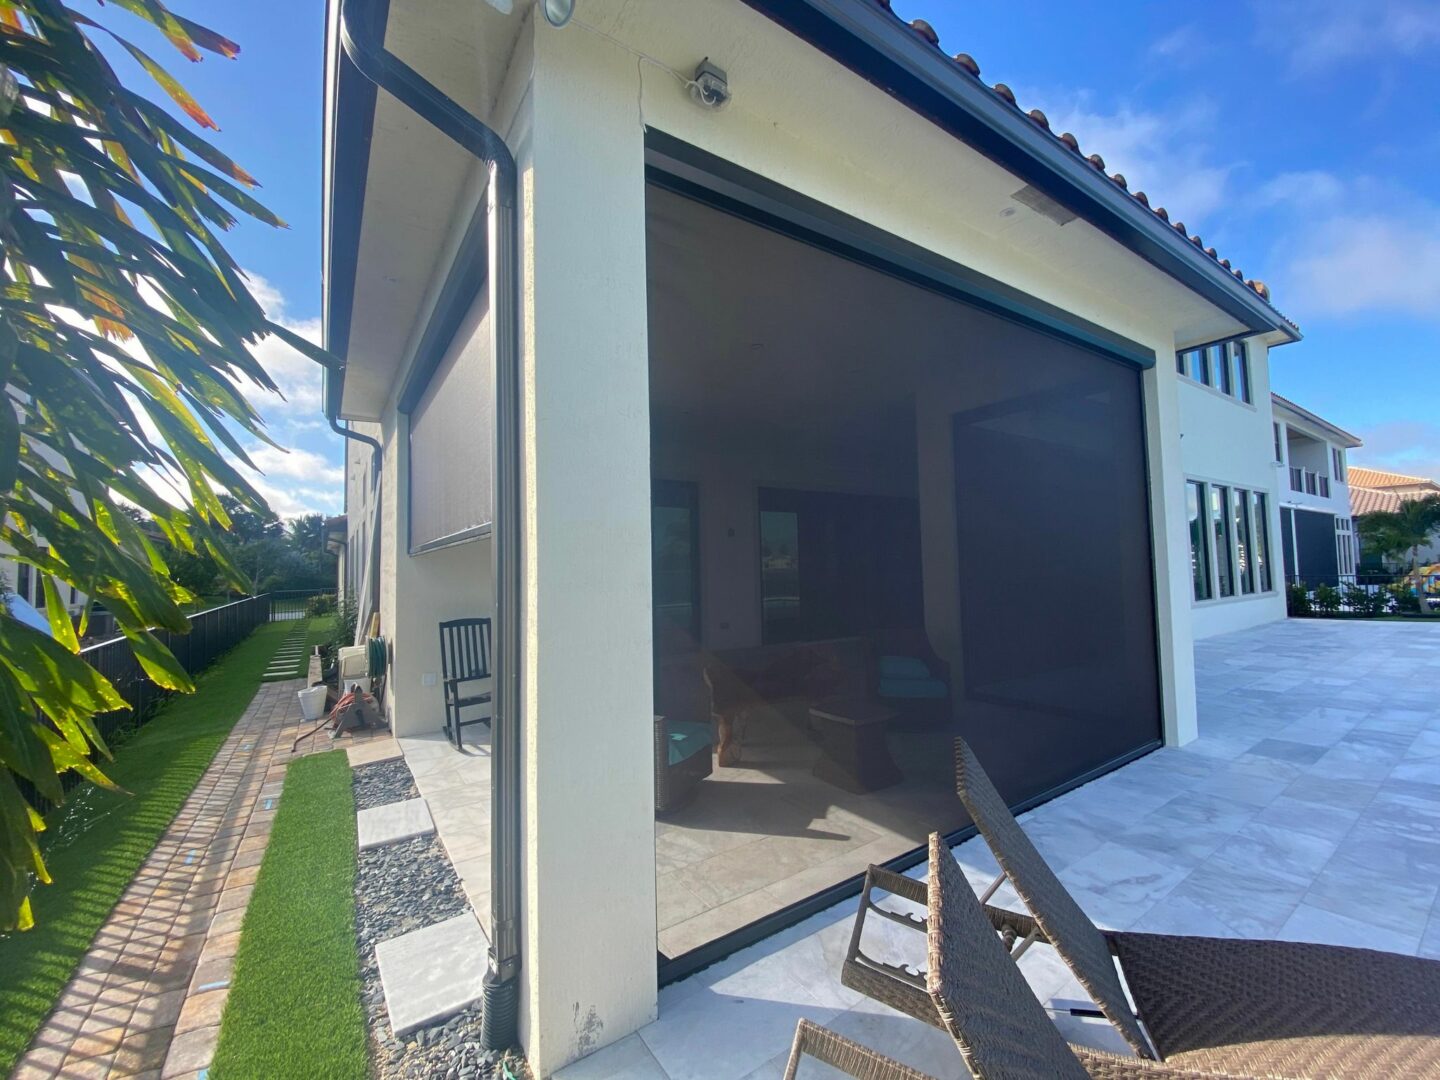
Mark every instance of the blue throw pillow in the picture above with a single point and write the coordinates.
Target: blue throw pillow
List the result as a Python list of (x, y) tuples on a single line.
[(903, 667)]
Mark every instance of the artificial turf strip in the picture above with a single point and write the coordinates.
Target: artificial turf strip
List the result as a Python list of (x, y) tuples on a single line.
[(97, 841), (294, 1005)]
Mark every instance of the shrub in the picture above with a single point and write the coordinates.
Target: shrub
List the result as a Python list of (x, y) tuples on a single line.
[(323, 604), (1364, 602), (1297, 600), (1327, 599), (1406, 602), (347, 616)]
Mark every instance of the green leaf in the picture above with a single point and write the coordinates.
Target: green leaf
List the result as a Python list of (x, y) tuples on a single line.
[(159, 663), (60, 625)]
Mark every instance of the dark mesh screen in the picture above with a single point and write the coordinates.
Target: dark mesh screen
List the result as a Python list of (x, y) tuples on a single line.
[(1057, 627)]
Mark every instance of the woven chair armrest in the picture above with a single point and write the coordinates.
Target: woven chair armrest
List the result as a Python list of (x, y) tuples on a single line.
[(907, 888), (1104, 1066), (848, 1056), (1017, 923)]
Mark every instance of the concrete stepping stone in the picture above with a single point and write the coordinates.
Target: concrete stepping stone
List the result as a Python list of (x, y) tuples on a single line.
[(393, 822), (432, 973), (372, 750)]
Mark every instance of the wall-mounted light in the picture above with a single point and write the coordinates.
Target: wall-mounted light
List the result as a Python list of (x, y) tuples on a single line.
[(557, 12)]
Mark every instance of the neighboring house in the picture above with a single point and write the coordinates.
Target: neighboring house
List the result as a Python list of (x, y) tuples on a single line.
[(1317, 535), (28, 583), (792, 399), (1231, 509), (1375, 489)]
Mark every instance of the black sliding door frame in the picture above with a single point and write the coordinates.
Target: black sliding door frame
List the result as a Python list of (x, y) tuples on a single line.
[(712, 181)]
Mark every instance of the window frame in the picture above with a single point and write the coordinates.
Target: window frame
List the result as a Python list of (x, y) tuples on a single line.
[(1239, 531), (1222, 366)]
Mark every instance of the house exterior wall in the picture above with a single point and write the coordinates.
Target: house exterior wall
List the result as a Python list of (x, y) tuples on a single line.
[(1311, 447), (574, 109), (590, 974), (1224, 440)]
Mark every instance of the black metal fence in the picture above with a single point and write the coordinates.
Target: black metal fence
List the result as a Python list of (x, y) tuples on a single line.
[(1364, 595), (212, 632), (288, 604)]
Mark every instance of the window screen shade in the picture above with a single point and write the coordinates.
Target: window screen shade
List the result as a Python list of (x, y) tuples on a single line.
[(451, 440)]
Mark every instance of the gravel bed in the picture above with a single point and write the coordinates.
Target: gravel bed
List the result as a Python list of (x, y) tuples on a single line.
[(399, 888), (383, 782)]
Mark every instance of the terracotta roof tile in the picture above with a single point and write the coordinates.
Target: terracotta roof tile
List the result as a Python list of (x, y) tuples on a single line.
[(1379, 479), (967, 63), (1368, 501)]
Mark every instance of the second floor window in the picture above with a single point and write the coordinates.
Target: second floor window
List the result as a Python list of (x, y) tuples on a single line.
[(1337, 462), (1224, 367)]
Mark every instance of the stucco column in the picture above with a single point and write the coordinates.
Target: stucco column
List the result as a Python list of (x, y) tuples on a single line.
[(1171, 549), (589, 974)]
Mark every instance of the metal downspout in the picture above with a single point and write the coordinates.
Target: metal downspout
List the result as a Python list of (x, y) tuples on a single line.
[(362, 37)]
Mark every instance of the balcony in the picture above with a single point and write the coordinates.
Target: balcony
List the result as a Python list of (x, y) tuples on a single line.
[(1311, 483)]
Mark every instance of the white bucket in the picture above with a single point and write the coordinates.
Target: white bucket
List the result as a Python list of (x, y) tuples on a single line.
[(312, 702)]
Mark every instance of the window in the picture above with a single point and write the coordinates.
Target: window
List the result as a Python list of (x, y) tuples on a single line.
[(1240, 516), (1240, 355), (1337, 463), (837, 565), (1199, 539), (675, 563), (1297, 478), (22, 582), (1260, 507), (1229, 540), (1344, 546), (1279, 446), (1220, 525), (1224, 367), (1323, 483)]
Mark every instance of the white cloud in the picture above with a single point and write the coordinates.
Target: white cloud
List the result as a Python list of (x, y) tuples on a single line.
[(1315, 35), (1184, 45), (296, 464), (1407, 446), (1369, 263), (1351, 245), (1166, 155)]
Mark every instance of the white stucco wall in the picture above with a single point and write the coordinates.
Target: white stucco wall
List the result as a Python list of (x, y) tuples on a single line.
[(1225, 441), (575, 109)]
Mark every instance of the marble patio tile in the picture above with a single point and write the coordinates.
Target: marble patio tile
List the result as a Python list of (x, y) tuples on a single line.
[(1252, 904), (732, 1027), (907, 1040), (1177, 915), (1313, 818), (1117, 884), (1328, 928), (1239, 783), (1350, 888), (1328, 791), (1430, 943), (1417, 772), (1286, 750), (1278, 851), (628, 1059)]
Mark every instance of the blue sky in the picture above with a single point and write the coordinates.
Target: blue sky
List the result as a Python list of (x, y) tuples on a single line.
[(1299, 137)]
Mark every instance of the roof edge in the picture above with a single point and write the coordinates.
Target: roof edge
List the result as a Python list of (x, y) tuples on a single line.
[(1351, 441), (905, 61)]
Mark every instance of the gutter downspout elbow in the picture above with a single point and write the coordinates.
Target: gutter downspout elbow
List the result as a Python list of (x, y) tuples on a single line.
[(362, 38)]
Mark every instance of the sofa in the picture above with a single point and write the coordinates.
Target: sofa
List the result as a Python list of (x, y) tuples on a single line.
[(743, 682), (910, 677), (684, 739)]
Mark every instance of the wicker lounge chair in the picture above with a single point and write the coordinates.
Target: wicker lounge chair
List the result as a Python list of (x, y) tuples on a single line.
[(1219, 1004), (982, 1000)]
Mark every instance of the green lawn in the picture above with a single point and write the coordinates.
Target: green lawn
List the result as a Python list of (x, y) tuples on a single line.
[(312, 631), (97, 841), (294, 1005)]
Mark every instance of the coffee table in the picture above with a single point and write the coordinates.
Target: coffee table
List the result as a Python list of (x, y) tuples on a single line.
[(853, 750)]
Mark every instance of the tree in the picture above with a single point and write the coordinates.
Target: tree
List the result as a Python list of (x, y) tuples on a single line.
[(1393, 533), (125, 341)]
